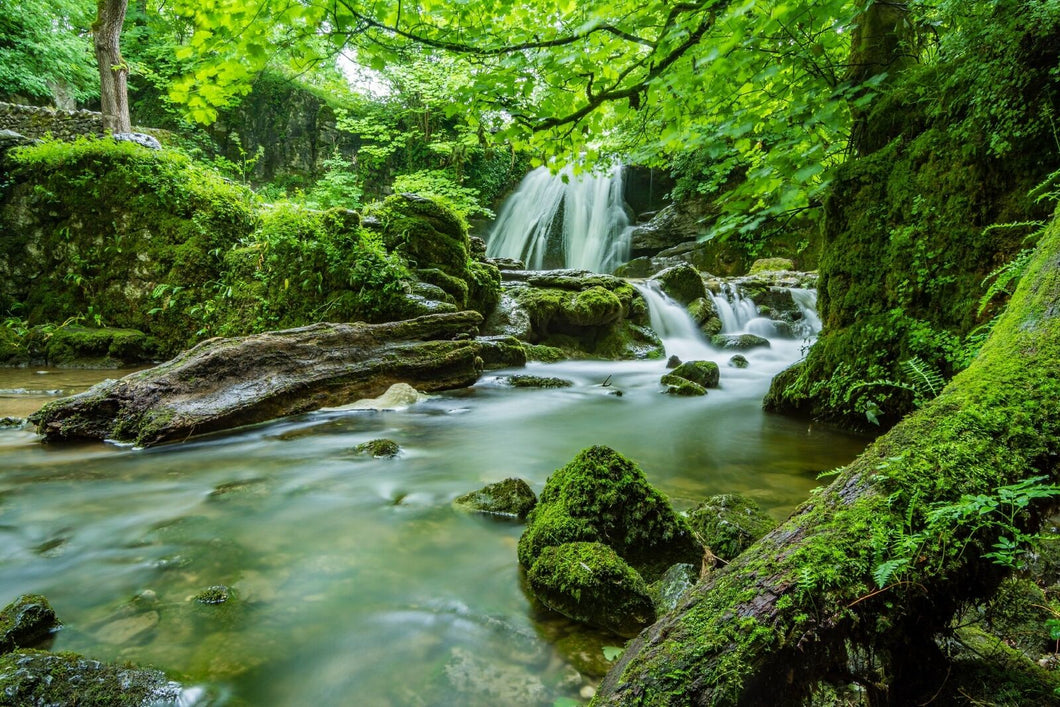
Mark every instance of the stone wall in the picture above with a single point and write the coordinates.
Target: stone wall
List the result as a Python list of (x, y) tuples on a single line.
[(36, 122)]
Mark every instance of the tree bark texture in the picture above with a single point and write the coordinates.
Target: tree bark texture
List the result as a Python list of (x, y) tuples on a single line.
[(113, 71), (801, 608)]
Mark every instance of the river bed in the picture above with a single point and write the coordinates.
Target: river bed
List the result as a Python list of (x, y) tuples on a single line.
[(356, 581)]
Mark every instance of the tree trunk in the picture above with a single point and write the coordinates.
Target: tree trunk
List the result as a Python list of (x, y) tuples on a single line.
[(801, 608), (113, 89)]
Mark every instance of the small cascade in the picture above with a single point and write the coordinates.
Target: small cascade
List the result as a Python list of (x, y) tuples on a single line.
[(810, 324), (735, 309), (564, 220), (675, 327)]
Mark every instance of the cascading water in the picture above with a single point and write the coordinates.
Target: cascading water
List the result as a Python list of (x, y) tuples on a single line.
[(734, 309), (679, 334), (564, 220)]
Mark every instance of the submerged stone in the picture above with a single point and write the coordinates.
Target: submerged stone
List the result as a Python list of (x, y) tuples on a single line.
[(673, 362), (524, 381), (25, 621), (511, 498), (729, 524), (37, 678), (739, 342), (601, 496), (590, 583), (379, 448), (217, 594)]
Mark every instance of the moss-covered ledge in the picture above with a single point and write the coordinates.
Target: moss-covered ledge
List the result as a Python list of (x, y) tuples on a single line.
[(802, 609)]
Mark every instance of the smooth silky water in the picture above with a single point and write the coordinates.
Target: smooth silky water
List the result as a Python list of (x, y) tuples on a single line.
[(356, 581)]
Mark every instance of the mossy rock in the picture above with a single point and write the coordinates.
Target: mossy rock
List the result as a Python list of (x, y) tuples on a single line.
[(74, 346), (1017, 613), (25, 621), (217, 594), (675, 583), (525, 381), (39, 678), (705, 373), (771, 265), (545, 354), (590, 583), (379, 448), (511, 498), (676, 385), (682, 282), (739, 361), (729, 524), (601, 496), (739, 342), (425, 232)]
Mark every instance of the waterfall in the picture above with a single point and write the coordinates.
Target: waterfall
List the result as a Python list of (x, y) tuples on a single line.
[(735, 310), (564, 220), (680, 335), (806, 301)]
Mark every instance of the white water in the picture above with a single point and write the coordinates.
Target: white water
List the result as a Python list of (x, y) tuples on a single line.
[(595, 227)]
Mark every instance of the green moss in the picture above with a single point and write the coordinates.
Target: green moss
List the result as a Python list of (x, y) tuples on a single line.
[(98, 348), (386, 448), (523, 381), (38, 678), (545, 354), (738, 342), (590, 583), (771, 265), (511, 498), (676, 385), (728, 524), (217, 594), (705, 373), (25, 622), (601, 496), (682, 282)]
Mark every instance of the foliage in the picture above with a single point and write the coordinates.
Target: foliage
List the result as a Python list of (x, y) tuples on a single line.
[(439, 184), (339, 186), (45, 52)]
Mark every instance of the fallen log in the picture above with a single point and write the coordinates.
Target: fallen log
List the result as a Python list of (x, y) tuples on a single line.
[(856, 585), (225, 383)]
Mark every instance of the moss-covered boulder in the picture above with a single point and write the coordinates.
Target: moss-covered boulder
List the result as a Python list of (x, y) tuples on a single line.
[(771, 265), (682, 282), (705, 313), (676, 385), (25, 621), (705, 373), (729, 524), (38, 678), (77, 346), (739, 361), (525, 381), (601, 496), (590, 583), (511, 498), (676, 581), (739, 342)]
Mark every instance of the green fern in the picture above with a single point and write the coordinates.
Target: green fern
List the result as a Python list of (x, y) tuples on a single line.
[(927, 381), (1005, 276), (885, 570)]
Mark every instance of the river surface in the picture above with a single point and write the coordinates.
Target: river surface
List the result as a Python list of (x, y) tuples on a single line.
[(356, 581)]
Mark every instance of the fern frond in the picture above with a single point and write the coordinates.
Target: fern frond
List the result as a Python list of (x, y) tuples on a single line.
[(1004, 276), (885, 570), (927, 381)]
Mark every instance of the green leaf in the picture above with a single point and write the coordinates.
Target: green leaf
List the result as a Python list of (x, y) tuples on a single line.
[(612, 652)]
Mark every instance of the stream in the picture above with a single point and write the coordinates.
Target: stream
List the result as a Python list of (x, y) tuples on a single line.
[(355, 579)]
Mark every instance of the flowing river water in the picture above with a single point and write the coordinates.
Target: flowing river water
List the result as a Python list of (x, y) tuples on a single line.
[(356, 582)]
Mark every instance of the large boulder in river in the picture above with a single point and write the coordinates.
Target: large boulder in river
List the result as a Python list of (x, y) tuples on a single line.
[(225, 383), (590, 583), (682, 282), (583, 314), (601, 496)]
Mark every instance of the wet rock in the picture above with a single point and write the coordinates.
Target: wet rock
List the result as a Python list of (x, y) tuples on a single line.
[(511, 498), (705, 373), (729, 524), (504, 264), (501, 352), (705, 313), (676, 385), (397, 397), (477, 247), (25, 621), (524, 381), (590, 583), (379, 448), (601, 496), (739, 361), (11, 423), (682, 282), (739, 342), (508, 318), (225, 383), (771, 265), (38, 678), (217, 594), (667, 590), (673, 362)]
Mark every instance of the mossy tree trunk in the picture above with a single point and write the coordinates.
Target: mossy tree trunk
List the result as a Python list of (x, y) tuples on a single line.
[(801, 608), (113, 71)]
